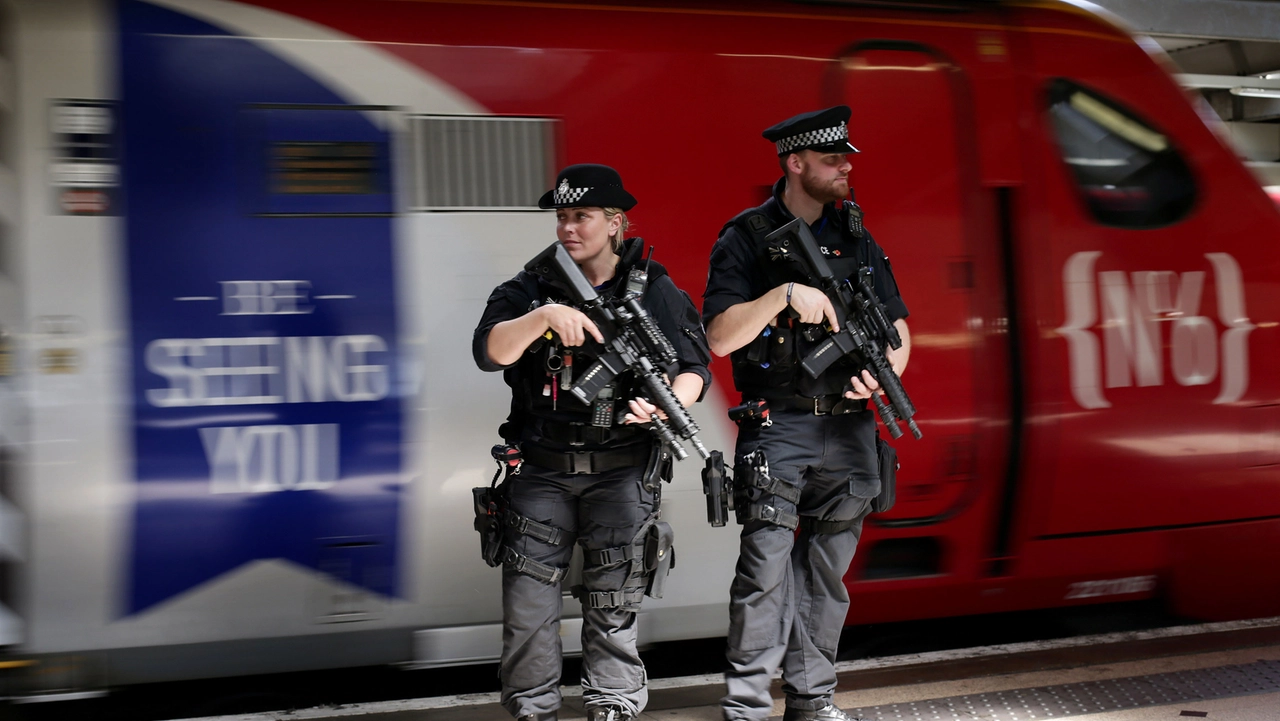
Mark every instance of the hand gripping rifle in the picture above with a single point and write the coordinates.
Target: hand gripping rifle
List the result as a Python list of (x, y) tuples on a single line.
[(632, 342), (864, 325)]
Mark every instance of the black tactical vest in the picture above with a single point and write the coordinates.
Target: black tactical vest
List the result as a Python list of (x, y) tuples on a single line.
[(769, 366), (538, 380)]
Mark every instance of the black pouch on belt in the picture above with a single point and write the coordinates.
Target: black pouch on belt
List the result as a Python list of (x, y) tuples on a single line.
[(782, 347), (659, 557), (888, 476), (489, 507), (758, 350)]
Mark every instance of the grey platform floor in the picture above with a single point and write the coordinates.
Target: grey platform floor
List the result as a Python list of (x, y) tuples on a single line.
[(1231, 673)]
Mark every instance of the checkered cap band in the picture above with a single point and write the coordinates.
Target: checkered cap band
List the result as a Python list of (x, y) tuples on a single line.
[(821, 136), (565, 194)]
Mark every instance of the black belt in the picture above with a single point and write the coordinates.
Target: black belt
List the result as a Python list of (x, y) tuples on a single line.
[(833, 404), (578, 462), (581, 434)]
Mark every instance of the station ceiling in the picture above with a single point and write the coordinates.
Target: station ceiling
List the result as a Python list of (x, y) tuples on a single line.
[(1228, 50)]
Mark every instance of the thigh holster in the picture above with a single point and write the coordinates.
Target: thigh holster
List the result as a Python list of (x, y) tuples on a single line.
[(490, 503), (521, 563), (651, 556), (494, 515), (757, 494)]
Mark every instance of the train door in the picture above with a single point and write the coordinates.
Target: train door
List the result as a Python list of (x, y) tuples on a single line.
[(916, 180)]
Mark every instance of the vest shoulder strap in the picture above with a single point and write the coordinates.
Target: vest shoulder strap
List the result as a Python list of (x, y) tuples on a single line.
[(752, 222)]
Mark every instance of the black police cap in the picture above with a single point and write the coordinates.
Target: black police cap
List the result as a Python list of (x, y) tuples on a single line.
[(826, 131), (587, 186)]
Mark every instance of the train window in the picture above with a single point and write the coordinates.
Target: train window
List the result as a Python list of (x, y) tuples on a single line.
[(316, 161), (324, 168), (1129, 173), (474, 161)]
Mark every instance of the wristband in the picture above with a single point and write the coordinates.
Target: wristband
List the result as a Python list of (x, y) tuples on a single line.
[(789, 287)]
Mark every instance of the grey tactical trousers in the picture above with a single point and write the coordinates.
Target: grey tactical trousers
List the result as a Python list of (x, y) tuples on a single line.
[(788, 601), (600, 511)]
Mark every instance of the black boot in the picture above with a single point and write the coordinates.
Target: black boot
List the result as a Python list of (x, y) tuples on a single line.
[(549, 716)]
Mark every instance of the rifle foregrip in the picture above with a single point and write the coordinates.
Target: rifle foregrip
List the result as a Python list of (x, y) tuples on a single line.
[(887, 416), (678, 418), (663, 432), (901, 406), (892, 386), (662, 350)]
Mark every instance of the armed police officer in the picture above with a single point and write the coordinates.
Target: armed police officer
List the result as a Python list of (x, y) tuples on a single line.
[(582, 473), (811, 462)]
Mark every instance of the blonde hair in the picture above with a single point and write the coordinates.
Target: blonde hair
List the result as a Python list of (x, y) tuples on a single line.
[(615, 240)]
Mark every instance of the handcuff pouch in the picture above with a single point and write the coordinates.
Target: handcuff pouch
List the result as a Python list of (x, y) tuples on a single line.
[(659, 557), (888, 458)]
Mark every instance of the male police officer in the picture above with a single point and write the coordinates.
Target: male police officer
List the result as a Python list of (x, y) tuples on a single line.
[(813, 465)]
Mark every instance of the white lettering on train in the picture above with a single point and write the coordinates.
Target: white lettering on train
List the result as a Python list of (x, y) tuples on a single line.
[(265, 297), (1111, 587), (247, 371), (1134, 305), (267, 459)]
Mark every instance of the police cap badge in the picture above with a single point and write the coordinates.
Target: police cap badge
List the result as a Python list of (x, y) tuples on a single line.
[(587, 186)]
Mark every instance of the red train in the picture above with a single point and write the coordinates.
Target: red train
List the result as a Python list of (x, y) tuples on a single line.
[(1093, 277), (1100, 388)]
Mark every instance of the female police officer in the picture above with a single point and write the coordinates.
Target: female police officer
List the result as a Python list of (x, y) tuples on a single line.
[(579, 480)]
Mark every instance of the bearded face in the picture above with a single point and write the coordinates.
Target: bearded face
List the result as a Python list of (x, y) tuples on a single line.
[(825, 176)]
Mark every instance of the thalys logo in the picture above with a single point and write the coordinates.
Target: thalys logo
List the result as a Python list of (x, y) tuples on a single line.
[(1136, 308)]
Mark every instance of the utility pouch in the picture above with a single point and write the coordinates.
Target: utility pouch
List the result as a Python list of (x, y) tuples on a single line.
[(782, 347), (489, 506), (888, 458), (659, 557), (758, 352)]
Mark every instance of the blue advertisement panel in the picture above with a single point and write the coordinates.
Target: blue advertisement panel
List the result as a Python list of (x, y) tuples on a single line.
[(262, 314)]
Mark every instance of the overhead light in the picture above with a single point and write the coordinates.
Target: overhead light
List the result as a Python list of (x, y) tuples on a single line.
[(1256, 92)]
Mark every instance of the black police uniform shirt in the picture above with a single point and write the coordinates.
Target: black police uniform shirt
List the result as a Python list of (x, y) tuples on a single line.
[(672, 310), (741, 271)]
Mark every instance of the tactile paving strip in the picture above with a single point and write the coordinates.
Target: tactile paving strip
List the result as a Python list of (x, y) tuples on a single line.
[(1075, 699)]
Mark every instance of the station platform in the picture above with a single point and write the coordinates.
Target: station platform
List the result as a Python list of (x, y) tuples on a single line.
[(1226, 672)]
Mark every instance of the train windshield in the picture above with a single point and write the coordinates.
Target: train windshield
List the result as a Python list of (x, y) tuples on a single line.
[(1128, 173)]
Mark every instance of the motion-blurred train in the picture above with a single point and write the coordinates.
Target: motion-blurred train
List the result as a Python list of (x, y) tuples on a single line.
[(245, 243)]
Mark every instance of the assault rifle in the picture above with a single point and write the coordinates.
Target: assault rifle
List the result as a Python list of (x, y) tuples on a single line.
[(632, 341), (864, 325)]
